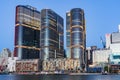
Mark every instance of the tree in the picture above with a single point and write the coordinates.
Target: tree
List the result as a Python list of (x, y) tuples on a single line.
[(106, 68)]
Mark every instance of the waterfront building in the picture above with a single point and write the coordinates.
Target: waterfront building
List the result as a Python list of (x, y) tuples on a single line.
[(114, 62), (97, 59), (88, 56), (27, 65), (100, 57), (27, 32), (61, 64), (4, 55), (11, 66), (52, 30), (76, 35)]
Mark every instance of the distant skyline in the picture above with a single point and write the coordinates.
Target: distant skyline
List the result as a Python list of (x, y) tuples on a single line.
[(102, 16)]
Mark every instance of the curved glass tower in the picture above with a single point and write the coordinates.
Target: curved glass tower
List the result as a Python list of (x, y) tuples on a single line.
[(51, 35), (76, 35), (27, 32)]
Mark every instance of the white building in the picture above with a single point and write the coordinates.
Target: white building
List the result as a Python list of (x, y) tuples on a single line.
[(100, 57), (12, 64), (114, 59), (4, 55), (113, 41), (114, 62), (7, 61)]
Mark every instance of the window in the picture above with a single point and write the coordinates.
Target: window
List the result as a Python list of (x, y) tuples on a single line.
[(116, 57)]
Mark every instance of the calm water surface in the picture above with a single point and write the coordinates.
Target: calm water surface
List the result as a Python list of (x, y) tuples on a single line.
[(59, 77)]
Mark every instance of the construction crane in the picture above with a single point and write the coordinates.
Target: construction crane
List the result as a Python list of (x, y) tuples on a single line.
[(103, 42)]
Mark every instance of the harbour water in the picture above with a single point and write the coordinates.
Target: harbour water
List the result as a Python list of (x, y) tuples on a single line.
[(59, 77)]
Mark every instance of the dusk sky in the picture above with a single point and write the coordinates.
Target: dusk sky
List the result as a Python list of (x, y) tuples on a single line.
[(102, 16)]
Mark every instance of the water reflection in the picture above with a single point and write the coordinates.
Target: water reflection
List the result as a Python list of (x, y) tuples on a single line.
[(59, 77)]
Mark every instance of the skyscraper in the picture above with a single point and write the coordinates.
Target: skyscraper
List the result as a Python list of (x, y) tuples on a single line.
[(51, 35), (76, 35), (27, 32)]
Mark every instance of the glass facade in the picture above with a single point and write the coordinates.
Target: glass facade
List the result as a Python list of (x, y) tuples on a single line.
[(51, 35), (27, 32), (76, 36), (68, 36)]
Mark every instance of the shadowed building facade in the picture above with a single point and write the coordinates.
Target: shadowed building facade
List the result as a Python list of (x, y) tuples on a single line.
[(27, 32), (51, 35), (76, 35)]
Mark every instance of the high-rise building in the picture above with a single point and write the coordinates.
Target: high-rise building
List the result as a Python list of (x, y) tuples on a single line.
[(76, 35), (51, 42), (27, 32)]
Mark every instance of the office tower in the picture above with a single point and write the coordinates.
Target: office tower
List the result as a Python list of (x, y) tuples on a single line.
[(76, 35), (51, 35), (27, 32)]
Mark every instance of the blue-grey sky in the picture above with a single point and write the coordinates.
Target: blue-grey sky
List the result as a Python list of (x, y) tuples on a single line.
[(102, 16)]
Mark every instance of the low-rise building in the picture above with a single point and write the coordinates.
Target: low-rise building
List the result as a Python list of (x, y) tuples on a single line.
[(61, 64), (28, 65), (97, 59), (114, 62), (100, 57), (4, 56), (12, 64)]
